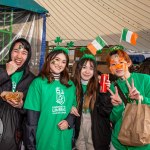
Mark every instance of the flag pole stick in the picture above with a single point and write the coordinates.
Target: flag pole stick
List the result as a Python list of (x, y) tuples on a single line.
[(104, 42), (121, 35)]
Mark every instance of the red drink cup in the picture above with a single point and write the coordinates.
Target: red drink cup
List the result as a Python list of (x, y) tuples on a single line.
[(103, 87)]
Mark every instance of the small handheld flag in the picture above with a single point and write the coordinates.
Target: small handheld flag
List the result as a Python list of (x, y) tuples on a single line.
[(96, 45), (129, 36)]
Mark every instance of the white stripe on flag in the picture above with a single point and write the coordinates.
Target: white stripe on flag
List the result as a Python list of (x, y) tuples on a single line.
[(128, 36), (97, 45)]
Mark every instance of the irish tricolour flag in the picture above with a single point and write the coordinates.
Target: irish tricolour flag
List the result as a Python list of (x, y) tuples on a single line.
[(96, 45), (129, 36)]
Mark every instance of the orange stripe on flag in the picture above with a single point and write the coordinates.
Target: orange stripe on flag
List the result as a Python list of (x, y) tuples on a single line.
[(134, 38), (92, 49)]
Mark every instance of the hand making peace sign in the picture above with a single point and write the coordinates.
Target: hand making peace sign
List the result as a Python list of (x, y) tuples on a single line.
[(115, 99), (133, 92)]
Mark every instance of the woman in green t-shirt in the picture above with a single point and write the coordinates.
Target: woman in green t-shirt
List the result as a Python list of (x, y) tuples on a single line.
[(48, 103)]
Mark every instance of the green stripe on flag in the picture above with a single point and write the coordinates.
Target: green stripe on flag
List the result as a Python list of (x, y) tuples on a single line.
[(124, 34), (100, 41)]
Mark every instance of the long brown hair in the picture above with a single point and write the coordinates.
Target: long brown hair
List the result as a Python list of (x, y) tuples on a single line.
[(45, 72), (90, 96)]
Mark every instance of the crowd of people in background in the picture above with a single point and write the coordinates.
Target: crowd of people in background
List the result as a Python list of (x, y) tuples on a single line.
[(59, 113), (144, 67)]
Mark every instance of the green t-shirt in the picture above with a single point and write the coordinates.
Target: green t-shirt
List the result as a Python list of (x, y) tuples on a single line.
[(15, 78), (54, 102), (142, 83)]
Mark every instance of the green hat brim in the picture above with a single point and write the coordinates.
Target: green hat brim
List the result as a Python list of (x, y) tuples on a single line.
[(88, 56), (59, 48)]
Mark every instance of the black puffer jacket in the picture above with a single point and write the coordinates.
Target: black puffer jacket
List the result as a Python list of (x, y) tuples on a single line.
[(12, 118), (101, 129)]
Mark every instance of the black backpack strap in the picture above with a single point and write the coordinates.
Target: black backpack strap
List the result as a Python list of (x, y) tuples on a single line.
[(121, 93)]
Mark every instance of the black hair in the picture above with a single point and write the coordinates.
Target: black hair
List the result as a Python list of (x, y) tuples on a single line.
[(27, 46)]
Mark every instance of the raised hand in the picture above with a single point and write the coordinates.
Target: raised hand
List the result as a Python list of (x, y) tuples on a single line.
[(107, 81), (11, 67), (115, 99), (133, 92)]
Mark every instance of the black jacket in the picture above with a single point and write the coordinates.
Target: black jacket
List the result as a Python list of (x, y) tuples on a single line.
[(30, 128), (12, 118), (101, 129)]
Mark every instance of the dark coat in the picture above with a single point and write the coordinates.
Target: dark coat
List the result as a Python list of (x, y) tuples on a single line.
[(12, 118), (101, 129)]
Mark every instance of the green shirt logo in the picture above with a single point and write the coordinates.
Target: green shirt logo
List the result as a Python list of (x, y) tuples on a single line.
[(60, 98)]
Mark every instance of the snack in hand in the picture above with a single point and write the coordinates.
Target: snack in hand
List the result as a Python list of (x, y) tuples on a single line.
[(12, 96)]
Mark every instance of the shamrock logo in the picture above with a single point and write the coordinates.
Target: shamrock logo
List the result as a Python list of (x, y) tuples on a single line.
[(83, 49), (116, 47), (58, 40), (70, 44), (99, 52)]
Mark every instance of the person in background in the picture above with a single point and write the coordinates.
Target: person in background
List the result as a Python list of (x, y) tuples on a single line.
[(135, 86), (145, 66), (92, 125), (49, 101), (14, 76)]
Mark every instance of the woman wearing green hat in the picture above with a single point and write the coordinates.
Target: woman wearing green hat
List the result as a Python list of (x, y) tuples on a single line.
[(92, 126), (49, 101)]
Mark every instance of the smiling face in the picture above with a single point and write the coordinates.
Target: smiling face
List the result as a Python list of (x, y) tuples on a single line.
[(119, 66), (87, 71), (58, 64), (19, 54)]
